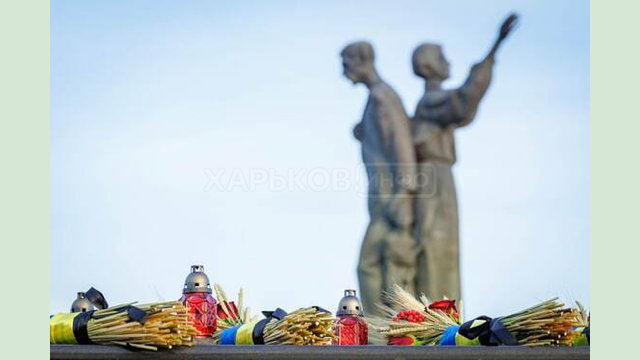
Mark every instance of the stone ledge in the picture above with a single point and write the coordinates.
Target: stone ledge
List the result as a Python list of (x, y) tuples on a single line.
[(321, 352)]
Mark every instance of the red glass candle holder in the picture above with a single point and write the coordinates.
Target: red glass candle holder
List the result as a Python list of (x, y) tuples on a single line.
[(202, 307), (352, 330)]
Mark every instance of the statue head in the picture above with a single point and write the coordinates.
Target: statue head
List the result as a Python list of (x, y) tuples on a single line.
[(357, 61), (429, 62)]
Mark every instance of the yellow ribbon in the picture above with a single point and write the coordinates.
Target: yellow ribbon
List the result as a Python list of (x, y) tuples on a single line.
[(61, 329), (463, 341), (244, 336)]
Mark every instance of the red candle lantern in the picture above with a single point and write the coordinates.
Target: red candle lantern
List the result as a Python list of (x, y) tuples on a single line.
[(352, 329), (196, 296)]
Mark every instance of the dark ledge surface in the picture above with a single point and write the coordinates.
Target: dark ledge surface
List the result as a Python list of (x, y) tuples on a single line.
[(322, 352)]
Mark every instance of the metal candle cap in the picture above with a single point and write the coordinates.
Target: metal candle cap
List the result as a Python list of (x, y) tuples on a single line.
[(197, 281), (81, 304), (349, 304)]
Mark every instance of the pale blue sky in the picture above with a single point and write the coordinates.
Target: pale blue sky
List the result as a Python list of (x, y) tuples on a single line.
[(148, 95)]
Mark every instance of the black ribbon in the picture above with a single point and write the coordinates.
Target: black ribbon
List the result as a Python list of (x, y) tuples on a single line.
[(96, 298), (80, 323), (137, 314), (490, 333), (258, 330)]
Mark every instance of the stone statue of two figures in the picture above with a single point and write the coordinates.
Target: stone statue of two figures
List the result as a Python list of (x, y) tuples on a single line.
[(412, 237)]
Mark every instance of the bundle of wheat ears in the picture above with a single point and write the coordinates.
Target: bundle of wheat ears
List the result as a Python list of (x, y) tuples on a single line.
[(307, 326), (433, 322), (548, 323), (146, 326)]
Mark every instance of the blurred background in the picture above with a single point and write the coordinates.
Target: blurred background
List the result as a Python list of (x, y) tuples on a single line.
[(219, 133)]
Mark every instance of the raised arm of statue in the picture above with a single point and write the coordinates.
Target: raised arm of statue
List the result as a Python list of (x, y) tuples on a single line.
[(465, 100)]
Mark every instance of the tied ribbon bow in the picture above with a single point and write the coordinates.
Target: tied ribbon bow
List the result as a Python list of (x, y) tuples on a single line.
[(482, 330), (96, 298), (490, 332)]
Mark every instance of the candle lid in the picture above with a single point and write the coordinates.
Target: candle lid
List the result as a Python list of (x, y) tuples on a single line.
[(81, 304), (197, 281), (349, 304)]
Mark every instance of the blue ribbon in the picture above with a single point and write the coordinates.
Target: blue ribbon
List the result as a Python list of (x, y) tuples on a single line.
[(228, 336), (449, 335)]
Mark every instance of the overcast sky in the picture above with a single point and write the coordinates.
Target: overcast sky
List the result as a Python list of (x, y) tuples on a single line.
[(219, 133)]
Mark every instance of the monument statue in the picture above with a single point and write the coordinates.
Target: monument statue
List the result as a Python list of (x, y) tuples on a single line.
[(388, 250), (438, 114), (412, 237)]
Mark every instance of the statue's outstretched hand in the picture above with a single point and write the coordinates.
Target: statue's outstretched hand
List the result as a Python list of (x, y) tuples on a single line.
[(508, 25), (505, 29)]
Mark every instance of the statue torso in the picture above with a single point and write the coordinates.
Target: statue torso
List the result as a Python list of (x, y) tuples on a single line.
[(384, 111), (432, 127)]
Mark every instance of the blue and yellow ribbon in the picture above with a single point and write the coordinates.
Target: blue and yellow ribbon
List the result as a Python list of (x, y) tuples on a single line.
[(251, 333), (72, 328)]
